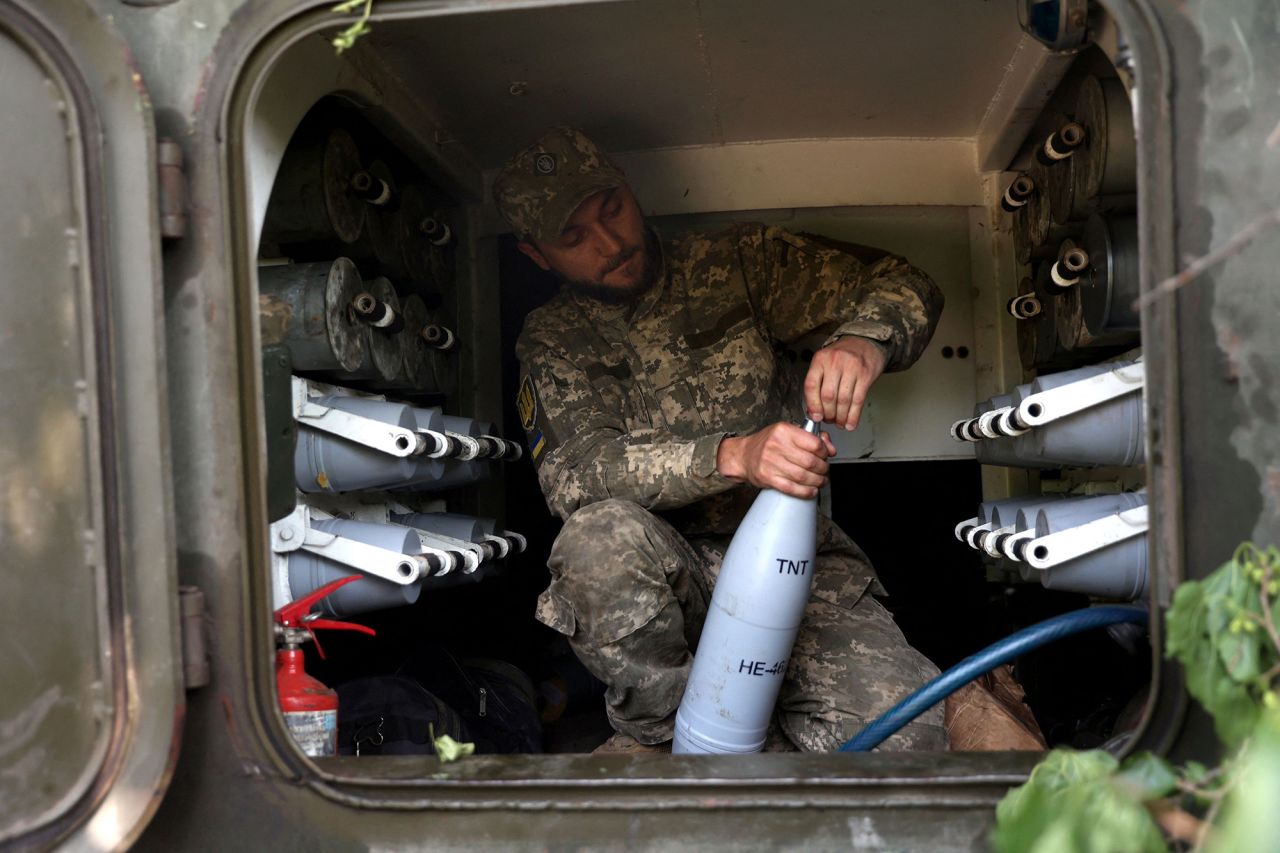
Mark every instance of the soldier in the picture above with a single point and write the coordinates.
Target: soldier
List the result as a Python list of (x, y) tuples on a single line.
[(657, 402)]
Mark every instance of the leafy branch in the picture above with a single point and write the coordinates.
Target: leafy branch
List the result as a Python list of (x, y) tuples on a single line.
[(1199, 266), (1223, 630), (345, 39)]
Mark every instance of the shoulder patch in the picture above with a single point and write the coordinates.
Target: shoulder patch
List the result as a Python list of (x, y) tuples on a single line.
[(527, 404)]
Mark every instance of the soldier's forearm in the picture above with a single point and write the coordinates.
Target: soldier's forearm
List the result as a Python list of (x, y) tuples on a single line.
[(780, 456), (906, 300), (729, 459), (655, 473)]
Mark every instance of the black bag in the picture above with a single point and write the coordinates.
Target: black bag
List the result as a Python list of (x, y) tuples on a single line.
[(391, 715), (495, 699)]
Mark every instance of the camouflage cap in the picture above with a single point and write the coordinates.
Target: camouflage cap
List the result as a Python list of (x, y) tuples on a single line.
[(540, 187)]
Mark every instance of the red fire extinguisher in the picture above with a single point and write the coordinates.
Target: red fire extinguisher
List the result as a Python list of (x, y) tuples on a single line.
[(310, 708)]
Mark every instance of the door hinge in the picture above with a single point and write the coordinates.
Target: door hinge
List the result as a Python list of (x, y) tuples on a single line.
[(195, 654), (173, 190)]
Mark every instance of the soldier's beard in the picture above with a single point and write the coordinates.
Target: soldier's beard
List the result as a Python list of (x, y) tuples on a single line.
[(624, 295)]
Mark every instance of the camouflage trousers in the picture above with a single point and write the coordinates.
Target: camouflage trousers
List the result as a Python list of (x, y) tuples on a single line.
[(631, 593)]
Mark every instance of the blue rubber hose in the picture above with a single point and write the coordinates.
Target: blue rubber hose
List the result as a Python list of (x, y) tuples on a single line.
[(1033, 637)]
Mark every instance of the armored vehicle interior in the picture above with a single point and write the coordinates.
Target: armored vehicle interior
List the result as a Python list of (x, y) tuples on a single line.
[(391, 292)]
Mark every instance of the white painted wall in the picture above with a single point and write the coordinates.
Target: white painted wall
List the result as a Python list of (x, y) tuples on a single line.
[(808, 173)]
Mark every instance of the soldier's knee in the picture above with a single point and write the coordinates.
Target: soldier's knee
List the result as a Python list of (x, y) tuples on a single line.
[(599, 529), (610, 558), (603, 516)]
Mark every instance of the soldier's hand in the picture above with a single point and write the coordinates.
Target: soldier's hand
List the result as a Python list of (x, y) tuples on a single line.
[(781, 456), (839, 377)]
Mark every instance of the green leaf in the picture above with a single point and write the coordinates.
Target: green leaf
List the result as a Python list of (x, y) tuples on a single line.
[(1059, 769), (1084, 802), (1220, 663), (1073, 803), (1234, 597), (1023, 813), (1195, 772), (346, 39), (1251, 820), (1147, 776), (448, 749)]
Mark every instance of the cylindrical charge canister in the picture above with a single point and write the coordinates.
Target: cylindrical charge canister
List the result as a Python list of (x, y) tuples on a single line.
[(1036, 213), (1116, 571), (384, 344), (1098, 312), (465, 527), (313, 199), (1104, 301), (435, 475), (1025, 449), (1060, 148), (755, 613), (1007, 450), (382, 223), (425, 238), (307, 308), (1042, 350), (1107, 163), (326, 463), (1110, 433), (998, 451), (308, 572), (966, 531), (453, 525), (418, 252), (1006, 514), (423, 367), (973, 532)]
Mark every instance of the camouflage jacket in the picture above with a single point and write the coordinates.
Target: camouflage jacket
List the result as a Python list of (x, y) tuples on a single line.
[(632, 401)]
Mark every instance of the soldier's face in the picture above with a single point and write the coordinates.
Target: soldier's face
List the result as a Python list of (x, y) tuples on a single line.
[(602, 251)]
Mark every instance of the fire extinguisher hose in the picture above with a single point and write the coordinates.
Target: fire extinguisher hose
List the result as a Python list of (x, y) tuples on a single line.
[(1028, 639)]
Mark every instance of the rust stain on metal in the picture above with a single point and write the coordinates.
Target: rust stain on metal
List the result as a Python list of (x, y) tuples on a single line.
[(275, 316), (233, 733)]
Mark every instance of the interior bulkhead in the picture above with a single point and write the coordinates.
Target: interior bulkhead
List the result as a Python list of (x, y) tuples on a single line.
[(997, 482)]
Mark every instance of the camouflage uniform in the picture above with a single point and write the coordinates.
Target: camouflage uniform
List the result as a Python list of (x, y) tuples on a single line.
[(625, 408)]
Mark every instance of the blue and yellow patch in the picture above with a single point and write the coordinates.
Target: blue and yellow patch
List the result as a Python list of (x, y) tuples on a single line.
[(527, 403), (527, 408)]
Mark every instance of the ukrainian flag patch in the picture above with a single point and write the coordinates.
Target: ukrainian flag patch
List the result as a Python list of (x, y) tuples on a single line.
[(528, 409), (527, 403)]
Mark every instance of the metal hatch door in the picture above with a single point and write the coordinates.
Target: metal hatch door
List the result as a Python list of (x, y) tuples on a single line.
[(90, 691)]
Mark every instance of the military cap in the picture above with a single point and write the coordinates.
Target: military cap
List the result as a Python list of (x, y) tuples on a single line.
[(541, 186)]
